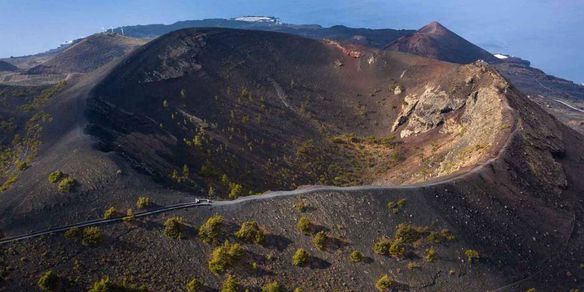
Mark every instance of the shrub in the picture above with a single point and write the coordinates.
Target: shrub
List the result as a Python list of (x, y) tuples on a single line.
[(382, 245), (66, 185), (356, 256), (173, 227), (397, 248), (301, 257), (92, 236), (472, 255), (319, 240), (413, 266), (304, 225), (430, 254), (298, 290), (110, 213), (531, 290), (250, 232), (73, 233), (210, 231), (224, 257), (230, 284), (438, 237), (56, 176), (143, 202), (273, 287), (105, 285), (407, 233), (235, 190), (384, 283), (194, 285), (130, 216), (396, 206), (49, 281)]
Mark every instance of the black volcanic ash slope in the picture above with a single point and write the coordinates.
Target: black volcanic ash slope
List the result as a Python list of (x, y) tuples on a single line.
[(275, 111), (437, 42)]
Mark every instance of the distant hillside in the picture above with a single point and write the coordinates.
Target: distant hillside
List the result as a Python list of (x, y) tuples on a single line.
[(5, 66), (437, 42), (87, 54), (370, 37)]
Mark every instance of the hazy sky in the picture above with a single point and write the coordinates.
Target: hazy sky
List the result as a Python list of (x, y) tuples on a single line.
[(547, 32)]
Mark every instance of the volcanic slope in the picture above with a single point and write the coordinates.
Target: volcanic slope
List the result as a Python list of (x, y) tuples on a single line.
[(437, 42), (515, 198), (5, 66), (241, 112), (88, 54)]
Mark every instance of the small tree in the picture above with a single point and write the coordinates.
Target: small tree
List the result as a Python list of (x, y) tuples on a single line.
[(73, 233), (356, 256), (66, 185), (56, 176), (301, 257), (235, 190), (304, 225), (224, 257), (230, 284), (384, 283), (173, 227), (273, 287), (130, 215), (382, 246), (250, 232), (49, 281), (110, 213), (210, 231), (319, 240), (472, 255), (92, 236), (194, 285), (430, 254), (143, 202)]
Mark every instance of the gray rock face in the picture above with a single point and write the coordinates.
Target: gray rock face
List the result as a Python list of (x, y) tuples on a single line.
[(426, 111)]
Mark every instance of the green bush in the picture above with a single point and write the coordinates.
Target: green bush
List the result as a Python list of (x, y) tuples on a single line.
[(49, 281), (356, 256), (130, 215), (250, 232), (194, 285), (110, 213), (472, 255), (397, 248), (73, 233), (304, 225), (273, 287), (92, 236), (301, 257), (395, 207), (384, 283), (174, 227), (319, 240), (56, 176), (66, 185), (382, 246), (224, 257), (235, 190), (106, 285), (407, 233), (230, 284), (143, 202), (430, 254), (210, 231)]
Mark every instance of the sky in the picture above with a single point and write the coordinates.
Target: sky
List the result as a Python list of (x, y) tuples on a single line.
[(549, 33)]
